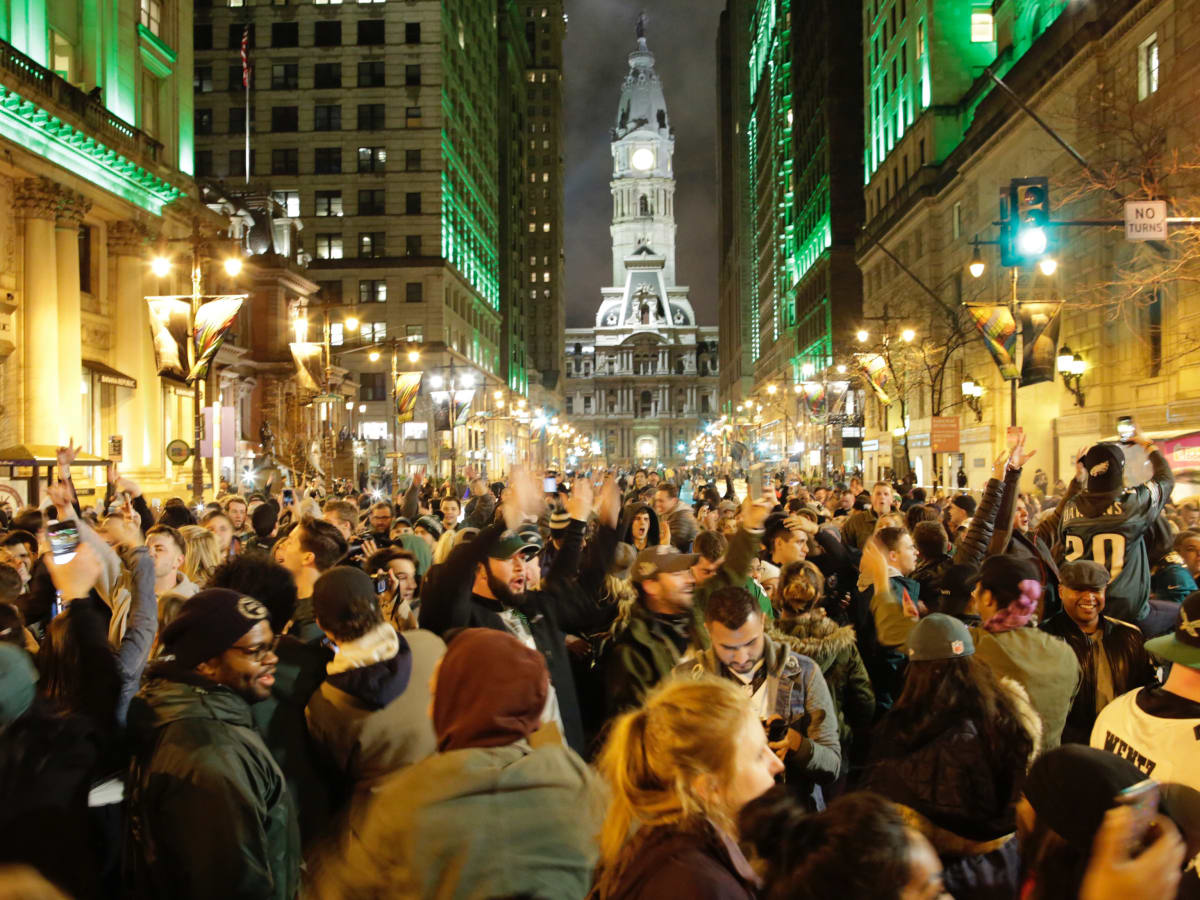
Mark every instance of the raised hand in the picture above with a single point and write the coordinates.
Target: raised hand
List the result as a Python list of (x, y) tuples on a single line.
[(579, 503), (608, 505), (1019, 456), (999, 464)]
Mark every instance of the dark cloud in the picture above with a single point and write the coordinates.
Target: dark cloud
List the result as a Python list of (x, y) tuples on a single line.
[(600, 35)]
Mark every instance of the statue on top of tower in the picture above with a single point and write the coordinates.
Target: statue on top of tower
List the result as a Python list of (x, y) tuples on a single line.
[(641, 26)]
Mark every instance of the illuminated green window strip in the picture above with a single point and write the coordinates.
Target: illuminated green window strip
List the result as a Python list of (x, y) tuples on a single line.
[(467, 245), (34, 128)]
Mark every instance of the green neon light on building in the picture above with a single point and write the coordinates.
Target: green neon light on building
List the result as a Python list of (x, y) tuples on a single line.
[(24, 122), (469, 243)]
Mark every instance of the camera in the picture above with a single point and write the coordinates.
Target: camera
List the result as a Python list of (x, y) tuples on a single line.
[(381, 581)]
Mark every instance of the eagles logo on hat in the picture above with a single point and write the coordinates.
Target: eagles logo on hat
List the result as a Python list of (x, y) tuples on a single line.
[(659, 559), (252, 609)]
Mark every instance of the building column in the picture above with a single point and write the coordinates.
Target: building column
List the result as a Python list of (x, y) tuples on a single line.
[(37, 201), (72, 207), (140, 412)]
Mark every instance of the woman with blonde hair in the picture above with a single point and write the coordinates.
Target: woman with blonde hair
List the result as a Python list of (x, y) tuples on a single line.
[(201, 555), (680, 769)]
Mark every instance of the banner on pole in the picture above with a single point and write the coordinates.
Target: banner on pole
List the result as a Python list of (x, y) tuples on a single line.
[(943, 434), (408, 385), (309, 371), (876, 369), (169, 319), (213, 321), (1039, 336), (999, 332)]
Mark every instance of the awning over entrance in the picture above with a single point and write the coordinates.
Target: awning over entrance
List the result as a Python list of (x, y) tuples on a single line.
[(109, 375)]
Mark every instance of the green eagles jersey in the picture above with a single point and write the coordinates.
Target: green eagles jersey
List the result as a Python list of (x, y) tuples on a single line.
[(1116, 540)]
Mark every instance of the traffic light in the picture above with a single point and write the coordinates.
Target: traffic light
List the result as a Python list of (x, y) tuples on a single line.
[(1026, 237)]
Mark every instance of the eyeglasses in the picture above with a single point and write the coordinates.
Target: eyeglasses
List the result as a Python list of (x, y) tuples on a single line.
[(258, 652)]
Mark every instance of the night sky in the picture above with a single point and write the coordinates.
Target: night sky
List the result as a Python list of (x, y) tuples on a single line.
[(682, 35)]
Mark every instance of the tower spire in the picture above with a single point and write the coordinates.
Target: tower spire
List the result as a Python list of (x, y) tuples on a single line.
[(641, 30)]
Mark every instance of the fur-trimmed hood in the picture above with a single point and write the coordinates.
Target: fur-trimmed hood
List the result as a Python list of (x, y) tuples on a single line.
[(815, 635)]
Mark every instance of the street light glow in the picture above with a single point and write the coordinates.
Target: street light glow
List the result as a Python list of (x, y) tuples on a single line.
[(301, 326), (349, 404), (1031, 241), (771, 389), (861, 335), (907, 335), (976, 266), (351, 324), (436, 382), (233, 266), (373, 356), (468, 380), (841, 369), (160, 266), (1048, 265), (414, 356)]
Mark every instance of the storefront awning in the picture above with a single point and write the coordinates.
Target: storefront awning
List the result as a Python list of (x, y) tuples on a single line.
[(109, 375)]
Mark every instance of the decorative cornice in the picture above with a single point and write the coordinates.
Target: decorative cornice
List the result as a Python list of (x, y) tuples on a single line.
[(36, 198), (72, 207), (127, 238)]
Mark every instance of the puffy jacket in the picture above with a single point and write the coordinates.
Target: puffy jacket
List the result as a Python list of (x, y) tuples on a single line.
[(972, 547), (373, 720), (928, 574), (797, 693), (480, 822), (831, 646), (209, 811), (1131, 668), (688, 859)]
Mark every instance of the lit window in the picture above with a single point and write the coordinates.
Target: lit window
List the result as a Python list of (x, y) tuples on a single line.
[(982, 27), (152, 15), (289, 200), (337, 334), (1148, 67), (329, 246), (546, 227)]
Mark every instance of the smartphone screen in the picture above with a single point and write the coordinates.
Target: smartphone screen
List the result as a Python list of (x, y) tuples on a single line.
[(64, 540), (287, 495), (1143, 799), (1125, 427), (756, 482), (550, 485)]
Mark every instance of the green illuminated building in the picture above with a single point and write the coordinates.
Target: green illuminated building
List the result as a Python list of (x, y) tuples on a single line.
[(790, 195)]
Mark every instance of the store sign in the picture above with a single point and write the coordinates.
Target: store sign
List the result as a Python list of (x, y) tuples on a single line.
[(116, 445), (178, 452), (944, 434)]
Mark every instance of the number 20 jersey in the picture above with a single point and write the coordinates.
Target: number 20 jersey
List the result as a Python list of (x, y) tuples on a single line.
[(1116, 540)]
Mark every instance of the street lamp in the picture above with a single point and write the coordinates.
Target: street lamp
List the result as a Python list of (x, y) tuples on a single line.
[(976, 267), (233, 266), (908, 335), (1048, 265), (861, 336), (1071, 367), (972, 391), (160, 266)]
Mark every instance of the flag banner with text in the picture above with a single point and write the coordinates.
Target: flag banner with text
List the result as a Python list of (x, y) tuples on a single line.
[(169, 319), (999, 332), (462, 403), (1039, 336), (309, 371), (213, 321), (816, 398), (408, 385), (876, 369)]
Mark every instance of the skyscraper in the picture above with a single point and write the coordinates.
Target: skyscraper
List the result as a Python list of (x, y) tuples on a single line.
[(642, 383)]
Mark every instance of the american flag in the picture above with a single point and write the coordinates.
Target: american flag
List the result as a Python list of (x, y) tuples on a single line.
[(246, 56)]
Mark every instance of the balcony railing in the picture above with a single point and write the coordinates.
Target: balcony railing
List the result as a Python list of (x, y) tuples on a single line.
[(21, 73)]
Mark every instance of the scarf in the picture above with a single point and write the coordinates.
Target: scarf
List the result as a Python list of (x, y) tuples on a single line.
[(379, 644)]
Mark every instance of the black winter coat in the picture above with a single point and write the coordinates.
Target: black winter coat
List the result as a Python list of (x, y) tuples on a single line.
[(678, 861), (1127, 658)]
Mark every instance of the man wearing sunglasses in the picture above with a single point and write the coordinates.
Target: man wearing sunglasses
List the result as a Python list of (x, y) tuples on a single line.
[(210, 814)]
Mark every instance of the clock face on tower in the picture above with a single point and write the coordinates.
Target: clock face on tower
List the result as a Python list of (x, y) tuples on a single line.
[(643, 159)]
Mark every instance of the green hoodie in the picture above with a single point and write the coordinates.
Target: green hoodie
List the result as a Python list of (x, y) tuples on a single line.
[(209, 812)]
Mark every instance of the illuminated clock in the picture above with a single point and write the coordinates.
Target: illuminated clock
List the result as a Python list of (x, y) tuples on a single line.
[(643, 159)]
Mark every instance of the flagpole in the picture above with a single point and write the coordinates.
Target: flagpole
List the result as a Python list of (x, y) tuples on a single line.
[(246, 84)]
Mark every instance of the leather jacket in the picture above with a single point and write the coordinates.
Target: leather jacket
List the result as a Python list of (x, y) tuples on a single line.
[(1130, 665)]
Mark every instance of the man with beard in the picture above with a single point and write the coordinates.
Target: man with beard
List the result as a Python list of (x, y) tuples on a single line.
[(483, 584), (210, 813), (784, 687)]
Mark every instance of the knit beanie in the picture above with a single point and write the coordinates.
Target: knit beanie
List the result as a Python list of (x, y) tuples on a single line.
[(210, 622)]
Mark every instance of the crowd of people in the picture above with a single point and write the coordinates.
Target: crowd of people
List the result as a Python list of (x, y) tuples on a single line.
[(700, 683)]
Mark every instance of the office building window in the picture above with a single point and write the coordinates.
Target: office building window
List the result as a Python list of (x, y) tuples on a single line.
[(374, 291), (374, 332), (289, 200), (982, 26), (151, 15), (285, 76), (329, 246), (202, 80), (372, 159), (328, 203), (414, 333), (202, 38), (327, 2), (285, 34), (412, 117), (204, 121), (327, 160), (1148, 67), (412, 245), (234, 78), (371, 203), (412, 75), (237, 161), (371, 243), (327, 75), (370, 31), (327, 118), (371, 73), (412, 160), (237, 119), (285, 118), (327, 34), (412, 203), (330, 291), (370, 116), (412, 32), (204, 164), (372, 386), (285, 162), (414, 292)]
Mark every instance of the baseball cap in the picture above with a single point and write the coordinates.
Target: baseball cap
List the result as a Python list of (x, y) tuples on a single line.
[(431, 525), (954, 591), (656, 560), (510, 543), (938, 636), (532, 534), (768, 571), (1183, 645), (965, 502), (1002, 575), (1105, 467), (1083, 575)]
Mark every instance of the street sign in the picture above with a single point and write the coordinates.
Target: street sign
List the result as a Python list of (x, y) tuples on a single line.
[(943, 434), (1146, 220), (115, 446), (1013, 435), (391, 455), (178, 452)]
